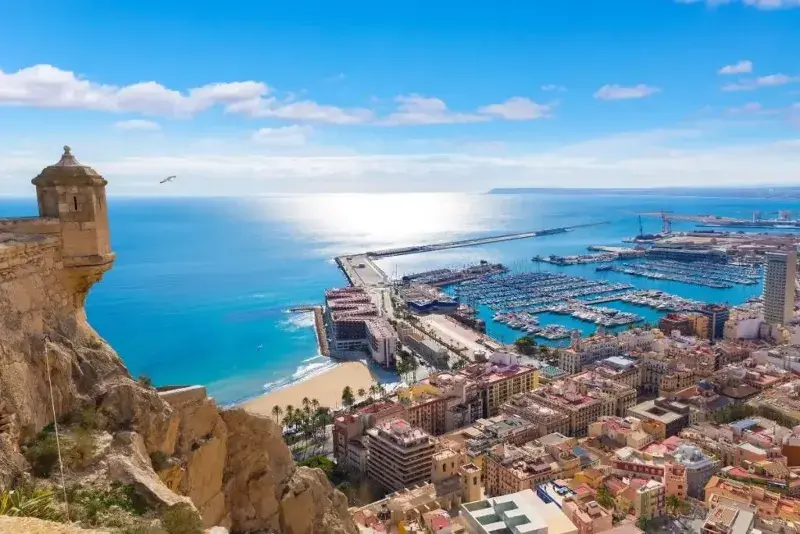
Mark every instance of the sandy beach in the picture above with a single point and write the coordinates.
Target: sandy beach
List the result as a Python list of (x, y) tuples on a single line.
[(326, 388)]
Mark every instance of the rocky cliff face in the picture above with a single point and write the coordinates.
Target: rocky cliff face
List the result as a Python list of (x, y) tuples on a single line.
[(233, 466)]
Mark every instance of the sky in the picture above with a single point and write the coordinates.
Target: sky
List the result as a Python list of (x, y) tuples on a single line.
[(251, 98)]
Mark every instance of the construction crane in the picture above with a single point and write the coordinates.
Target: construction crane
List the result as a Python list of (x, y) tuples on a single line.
[(666, 222)]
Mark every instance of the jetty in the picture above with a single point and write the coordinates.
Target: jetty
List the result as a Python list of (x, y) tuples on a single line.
[(362, 271)]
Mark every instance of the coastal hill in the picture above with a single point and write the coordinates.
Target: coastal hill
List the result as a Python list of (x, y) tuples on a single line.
[(173, 448), (788, 192)]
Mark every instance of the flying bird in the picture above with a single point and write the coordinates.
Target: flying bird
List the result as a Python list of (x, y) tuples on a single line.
[(167, 179)]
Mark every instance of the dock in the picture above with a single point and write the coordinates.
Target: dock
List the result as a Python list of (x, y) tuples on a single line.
[(361, 270)]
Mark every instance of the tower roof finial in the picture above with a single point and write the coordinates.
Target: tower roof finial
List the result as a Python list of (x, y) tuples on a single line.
[(67, 159)]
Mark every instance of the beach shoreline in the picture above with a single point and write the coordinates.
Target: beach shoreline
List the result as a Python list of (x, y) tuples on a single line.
[(325, 387)]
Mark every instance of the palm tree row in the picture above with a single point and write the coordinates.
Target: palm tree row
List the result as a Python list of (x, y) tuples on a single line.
[(305, 424)]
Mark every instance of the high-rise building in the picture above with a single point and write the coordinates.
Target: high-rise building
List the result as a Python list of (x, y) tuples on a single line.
[(779, 280), (400, 455)]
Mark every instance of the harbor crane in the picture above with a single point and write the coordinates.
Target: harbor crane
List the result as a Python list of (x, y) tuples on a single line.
[(666, 222)]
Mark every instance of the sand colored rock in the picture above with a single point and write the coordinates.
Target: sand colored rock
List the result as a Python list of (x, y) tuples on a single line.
[(234, 467), (29, 525)]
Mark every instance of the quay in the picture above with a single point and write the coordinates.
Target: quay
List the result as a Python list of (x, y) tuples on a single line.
[(417, 249), (361, 271), (319, 327)]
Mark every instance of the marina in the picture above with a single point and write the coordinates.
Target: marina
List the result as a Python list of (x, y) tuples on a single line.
[(715, 275)]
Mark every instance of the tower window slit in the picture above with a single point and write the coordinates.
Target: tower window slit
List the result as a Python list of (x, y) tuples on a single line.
[(75, 202)]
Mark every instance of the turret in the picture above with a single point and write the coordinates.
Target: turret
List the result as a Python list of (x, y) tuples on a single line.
[(76, 195)]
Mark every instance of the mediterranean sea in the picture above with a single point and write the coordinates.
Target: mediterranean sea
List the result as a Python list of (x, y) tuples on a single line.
[(200, 283)]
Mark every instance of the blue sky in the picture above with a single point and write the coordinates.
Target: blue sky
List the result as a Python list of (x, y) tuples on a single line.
[(259, 97)]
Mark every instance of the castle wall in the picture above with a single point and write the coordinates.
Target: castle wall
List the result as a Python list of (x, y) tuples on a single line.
[(30, 225)]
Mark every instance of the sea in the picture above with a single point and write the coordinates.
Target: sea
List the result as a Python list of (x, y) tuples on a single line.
[(202, 288)]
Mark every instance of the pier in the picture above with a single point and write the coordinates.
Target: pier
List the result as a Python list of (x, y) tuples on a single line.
[(361, 270)]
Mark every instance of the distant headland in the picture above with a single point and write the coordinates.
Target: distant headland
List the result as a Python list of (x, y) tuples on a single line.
[(789, 192)]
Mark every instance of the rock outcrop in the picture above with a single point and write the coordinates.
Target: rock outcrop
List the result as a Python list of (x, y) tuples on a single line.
[(233, 466)]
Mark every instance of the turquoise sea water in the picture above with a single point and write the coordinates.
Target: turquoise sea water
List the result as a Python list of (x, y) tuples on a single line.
[(199, 284)]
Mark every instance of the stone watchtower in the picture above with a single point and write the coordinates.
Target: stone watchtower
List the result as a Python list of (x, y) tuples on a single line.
[(76, 195)]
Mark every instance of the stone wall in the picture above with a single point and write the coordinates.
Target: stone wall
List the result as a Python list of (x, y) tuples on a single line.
[(30, 225)]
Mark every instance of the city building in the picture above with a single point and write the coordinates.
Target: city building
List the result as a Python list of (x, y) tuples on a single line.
[(723, 519), (351, 426), (621, 370), (779, 287), (717, 315), (520, 512), (355, 325), (675, 481), (630, 462), (644, 498), (483, 434), (673, 322), (400, 456), (425, 347), (769, 506), (585, 513), (499, 379), (581, 403), (687, 254), (699, 467), (613, 431), (623, 396), (529, 407), (584, 351), (673, 415), (509, 468), (781, 403)]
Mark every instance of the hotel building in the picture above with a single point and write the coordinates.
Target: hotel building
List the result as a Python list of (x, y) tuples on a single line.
[(499, 379)]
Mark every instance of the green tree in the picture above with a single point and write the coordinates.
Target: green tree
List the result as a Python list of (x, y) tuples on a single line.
[(361, 392), (642, 523), (604, 498), (276, 413), (526, 345), (347, 397)]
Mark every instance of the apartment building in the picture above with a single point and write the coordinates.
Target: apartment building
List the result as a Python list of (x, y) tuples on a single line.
[(629, 462), (354, 324), (586, 514), (675, 480), (530, 407), (623, 395), (483, 434), (620, 369), (648, 498), (769, 506), (699, 467), (581, 404), (497, 382), (510, 469), (350, 426), (585, 351), (724, 519), (616, 431), (400, 455)]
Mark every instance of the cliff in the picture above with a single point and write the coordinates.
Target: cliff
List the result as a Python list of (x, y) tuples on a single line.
[(233, 467)]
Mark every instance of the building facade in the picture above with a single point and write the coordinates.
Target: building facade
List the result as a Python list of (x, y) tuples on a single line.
[(779, 287), (400, 455)]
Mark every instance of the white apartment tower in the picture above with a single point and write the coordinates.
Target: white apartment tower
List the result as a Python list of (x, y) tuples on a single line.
[(779, 280)]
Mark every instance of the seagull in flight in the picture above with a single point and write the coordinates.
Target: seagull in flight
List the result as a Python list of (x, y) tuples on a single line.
[(167, 179)]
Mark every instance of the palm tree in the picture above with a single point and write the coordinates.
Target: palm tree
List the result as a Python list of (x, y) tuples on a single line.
[(306, 403), (673, 504), (373, 390), (277, 412), (361, 393), (347, 397), (314, 404)]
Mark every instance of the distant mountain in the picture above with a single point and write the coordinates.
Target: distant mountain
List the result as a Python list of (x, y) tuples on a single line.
[(750, 192)]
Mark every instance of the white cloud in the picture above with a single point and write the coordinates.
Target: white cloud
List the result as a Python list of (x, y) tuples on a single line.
[(304, 111), (553, 87), (294, 135), (749, 108), (742, 67), (772, 80), (619, 92), (137, 124), (517, 109), (46, 86), (758, 4), (416, 109), (339, 77)]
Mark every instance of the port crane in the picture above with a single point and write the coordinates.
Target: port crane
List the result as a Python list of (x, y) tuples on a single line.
[(666, 222)]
